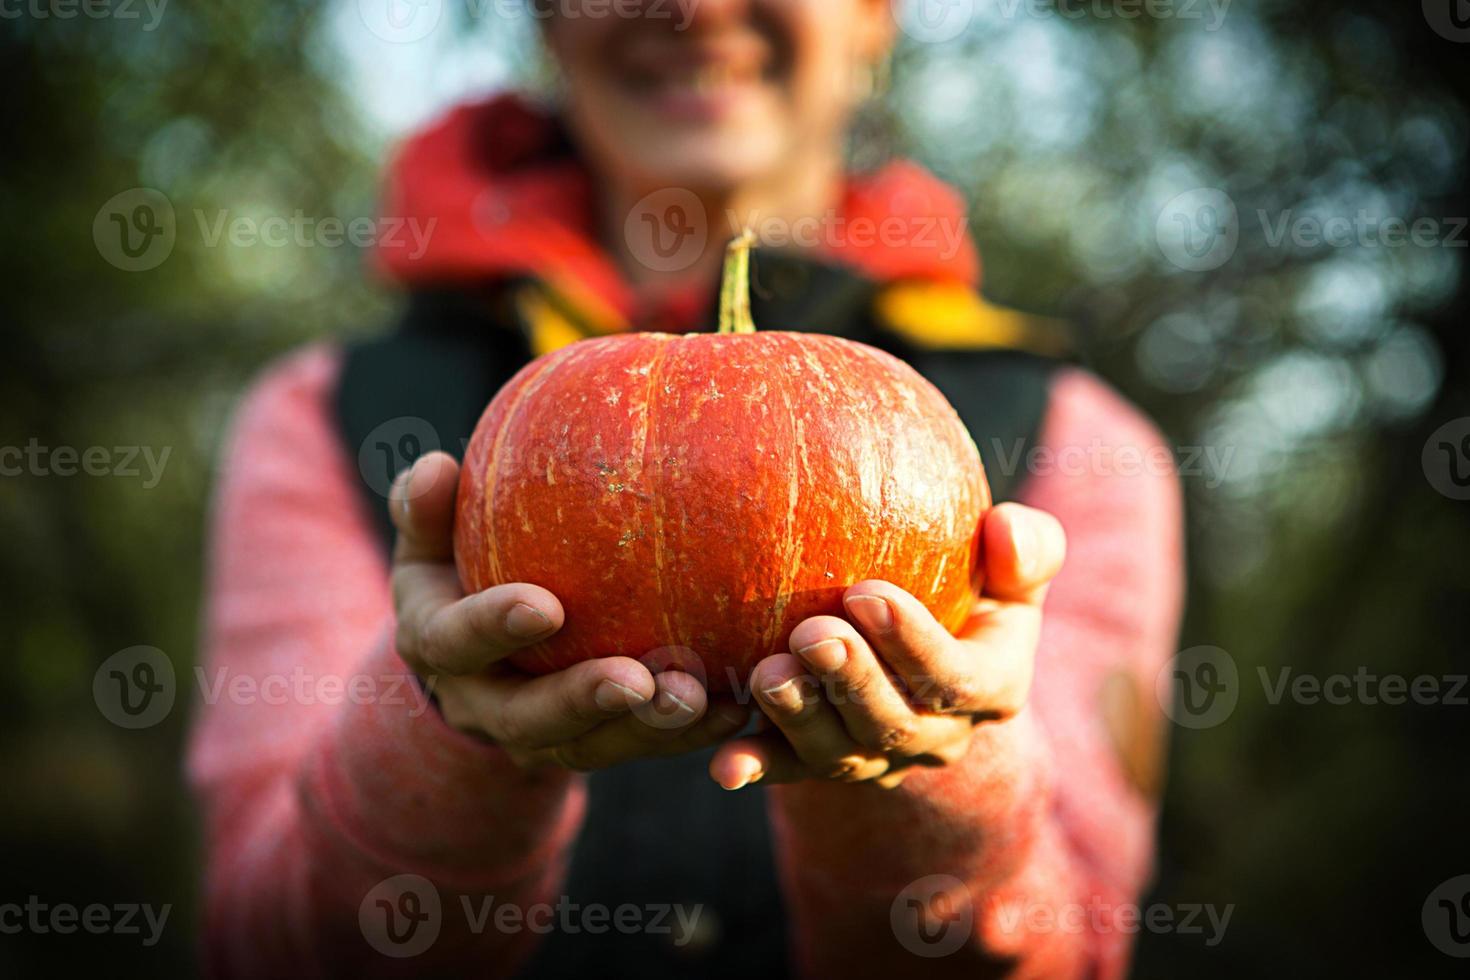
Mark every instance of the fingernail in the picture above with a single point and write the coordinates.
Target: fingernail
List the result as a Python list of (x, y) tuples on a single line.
[(784, 696), (751, 776), (873, 613), (826, 656), (672, 704), (526, 622), (611, 696), (400, 487), (1027, 546)]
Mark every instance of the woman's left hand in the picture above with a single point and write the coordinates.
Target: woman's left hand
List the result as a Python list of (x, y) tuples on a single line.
[(888, 688)]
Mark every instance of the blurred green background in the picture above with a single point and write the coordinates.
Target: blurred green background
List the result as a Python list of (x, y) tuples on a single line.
[(1322, 370)]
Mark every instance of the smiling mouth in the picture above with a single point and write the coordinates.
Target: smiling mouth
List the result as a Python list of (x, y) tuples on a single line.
[(701, 89)]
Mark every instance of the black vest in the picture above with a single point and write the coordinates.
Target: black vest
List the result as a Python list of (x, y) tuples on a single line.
[(659, 831)]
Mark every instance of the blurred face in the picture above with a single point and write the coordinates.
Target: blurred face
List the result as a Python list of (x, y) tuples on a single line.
[(712, 94)]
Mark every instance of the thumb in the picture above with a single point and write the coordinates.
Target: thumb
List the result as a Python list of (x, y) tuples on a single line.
[(421, 505), (1024, 549)]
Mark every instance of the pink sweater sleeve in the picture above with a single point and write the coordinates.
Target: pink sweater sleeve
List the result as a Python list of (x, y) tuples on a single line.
[(322, 769), (1015, 861)]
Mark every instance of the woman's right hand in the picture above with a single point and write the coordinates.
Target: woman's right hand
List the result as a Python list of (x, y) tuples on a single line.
[(590, 716)]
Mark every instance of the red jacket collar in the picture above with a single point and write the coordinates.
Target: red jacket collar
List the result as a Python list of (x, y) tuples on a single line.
[(507, 199)]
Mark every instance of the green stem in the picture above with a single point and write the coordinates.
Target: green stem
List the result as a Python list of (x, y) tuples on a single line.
[(735, 287)]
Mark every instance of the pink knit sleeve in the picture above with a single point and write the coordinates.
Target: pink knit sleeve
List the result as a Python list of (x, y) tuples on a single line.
[(322, 769), (1017, 860)]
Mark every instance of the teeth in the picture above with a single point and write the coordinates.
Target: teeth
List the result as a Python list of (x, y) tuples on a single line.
[(710, 79)]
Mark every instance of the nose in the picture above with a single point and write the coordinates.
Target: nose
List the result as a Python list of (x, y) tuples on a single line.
[(705, 14)]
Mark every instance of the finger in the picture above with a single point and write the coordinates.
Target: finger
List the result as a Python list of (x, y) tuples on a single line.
[(630, 738), (757, 758), (893, 779), (539, 712), (421, 506), (442, 631), (793, 700), (987, 674), (873, 709), (1024, 550), (679, 701)]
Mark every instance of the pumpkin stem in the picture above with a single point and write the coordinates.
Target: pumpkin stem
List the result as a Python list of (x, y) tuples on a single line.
[(735, 287)]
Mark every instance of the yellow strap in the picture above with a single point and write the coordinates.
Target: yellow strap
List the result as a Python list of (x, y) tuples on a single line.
[(554, 319), (952, 315)]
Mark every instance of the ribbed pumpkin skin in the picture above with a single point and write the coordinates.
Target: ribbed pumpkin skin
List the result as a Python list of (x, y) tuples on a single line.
[(700, 495)]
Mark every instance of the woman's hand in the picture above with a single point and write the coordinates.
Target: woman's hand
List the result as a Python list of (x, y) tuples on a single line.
[(590, 716), (892, 689)]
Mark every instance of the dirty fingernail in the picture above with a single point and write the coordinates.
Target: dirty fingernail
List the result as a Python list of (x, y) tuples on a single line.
[(784, 696)]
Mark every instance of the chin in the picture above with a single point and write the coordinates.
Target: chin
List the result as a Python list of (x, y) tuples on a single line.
[(707, 161)]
